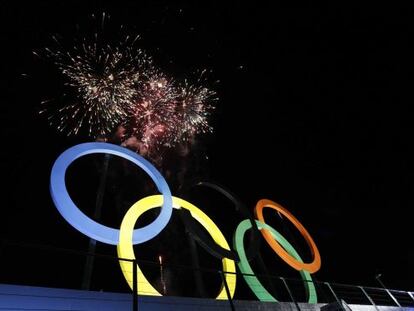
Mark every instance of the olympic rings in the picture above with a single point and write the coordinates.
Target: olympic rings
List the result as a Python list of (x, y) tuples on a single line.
[(261, 293), (125, 249), (293, 262), (127, 236), (83, 223)]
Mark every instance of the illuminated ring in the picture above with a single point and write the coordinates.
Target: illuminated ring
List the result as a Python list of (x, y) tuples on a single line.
[(126, 250), (293, 262), (213, 248), (249, 276), (86, 225)]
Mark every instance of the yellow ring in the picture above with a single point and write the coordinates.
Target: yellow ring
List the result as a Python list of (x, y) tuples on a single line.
[(126, 250)]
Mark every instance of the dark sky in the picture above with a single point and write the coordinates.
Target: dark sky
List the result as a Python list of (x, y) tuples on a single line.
[(313, 113)]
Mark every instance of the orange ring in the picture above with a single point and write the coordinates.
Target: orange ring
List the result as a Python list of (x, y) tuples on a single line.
[(294, 263)]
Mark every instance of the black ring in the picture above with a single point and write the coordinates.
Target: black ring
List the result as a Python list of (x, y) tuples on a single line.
[(211, 246)]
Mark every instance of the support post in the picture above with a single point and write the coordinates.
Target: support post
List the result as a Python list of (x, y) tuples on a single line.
[(226, 286), (290, 293), (134, 286), (369, 298), (387, 290), (336, 297), (196, 265), (87, 274), (411, 295)]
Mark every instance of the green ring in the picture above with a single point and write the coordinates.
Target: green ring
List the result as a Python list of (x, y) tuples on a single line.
[(261, 293)]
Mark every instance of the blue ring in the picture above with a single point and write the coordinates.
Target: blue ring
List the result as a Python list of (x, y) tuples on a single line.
[(83, 223)]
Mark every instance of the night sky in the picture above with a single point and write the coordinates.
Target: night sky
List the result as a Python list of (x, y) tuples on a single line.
[(313, 113)]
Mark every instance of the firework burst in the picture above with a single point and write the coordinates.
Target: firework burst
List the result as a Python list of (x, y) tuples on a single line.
[(194, 106), (167, 113), (104, 81), (152, 117), (117, 85)]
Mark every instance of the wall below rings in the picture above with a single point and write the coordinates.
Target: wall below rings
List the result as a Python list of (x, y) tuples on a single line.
[(16, 297)]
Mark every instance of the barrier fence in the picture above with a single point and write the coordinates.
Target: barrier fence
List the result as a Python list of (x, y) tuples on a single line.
[(39, 265)]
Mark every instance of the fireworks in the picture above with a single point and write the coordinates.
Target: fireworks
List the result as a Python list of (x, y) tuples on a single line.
[(167, 113), (152, 115), (117, 85), (193, 108), (105, 82)]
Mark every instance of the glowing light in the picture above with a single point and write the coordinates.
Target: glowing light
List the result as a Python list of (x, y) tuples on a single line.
[(126, 251), (83, 223)]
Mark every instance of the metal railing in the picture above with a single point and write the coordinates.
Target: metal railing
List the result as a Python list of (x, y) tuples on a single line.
[(42, 266)]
